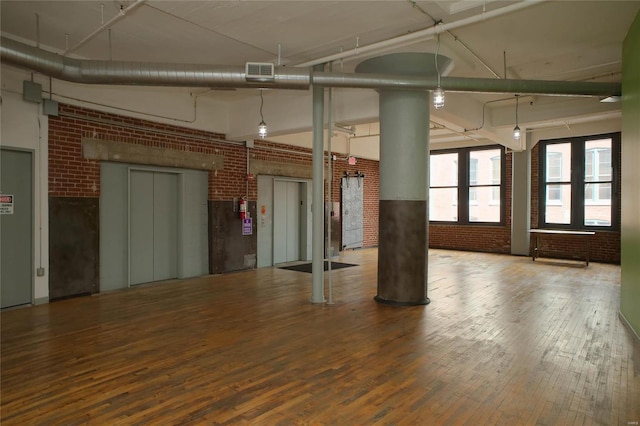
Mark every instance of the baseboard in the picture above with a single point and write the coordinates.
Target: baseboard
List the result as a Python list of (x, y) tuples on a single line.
[(41, 300), (627, 324)]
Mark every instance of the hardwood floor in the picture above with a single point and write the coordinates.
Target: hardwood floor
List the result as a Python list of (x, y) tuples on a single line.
[(504, 341)]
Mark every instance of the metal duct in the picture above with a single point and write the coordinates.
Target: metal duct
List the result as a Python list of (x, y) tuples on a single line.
[(463, 84), (199, 75), (141, 73)]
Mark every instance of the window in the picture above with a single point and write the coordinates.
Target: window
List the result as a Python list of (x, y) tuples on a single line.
[(556, 181), (554, 174), (496, 177), (473, 180), (577, 182), (476, 189), (597, 166), (443, 193)]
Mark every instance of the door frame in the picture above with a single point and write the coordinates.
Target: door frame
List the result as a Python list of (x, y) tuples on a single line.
[(32, 153)]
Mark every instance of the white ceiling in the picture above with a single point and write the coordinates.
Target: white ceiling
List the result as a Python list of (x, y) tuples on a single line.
[(553, 40)]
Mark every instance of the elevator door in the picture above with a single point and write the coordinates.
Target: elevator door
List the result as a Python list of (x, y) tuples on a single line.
[(286, 222), (16, 228), (153, 232)]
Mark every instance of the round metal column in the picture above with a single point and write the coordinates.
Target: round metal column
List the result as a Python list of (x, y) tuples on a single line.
[(404, 159)]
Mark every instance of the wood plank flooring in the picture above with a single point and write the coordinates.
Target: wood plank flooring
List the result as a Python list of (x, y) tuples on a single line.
[(504, 341)]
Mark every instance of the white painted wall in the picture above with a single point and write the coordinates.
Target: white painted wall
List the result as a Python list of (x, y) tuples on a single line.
[(195, 108), (289, 111)]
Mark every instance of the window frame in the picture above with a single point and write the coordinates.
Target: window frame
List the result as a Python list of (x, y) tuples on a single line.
[(464, 185), (578, 182)]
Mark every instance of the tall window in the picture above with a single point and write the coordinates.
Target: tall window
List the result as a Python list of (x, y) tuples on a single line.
[(471, 194), (443, 193), (577, 182)]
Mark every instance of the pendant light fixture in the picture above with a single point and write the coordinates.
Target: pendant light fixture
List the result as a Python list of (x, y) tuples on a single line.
[(262, 127), (438, 94), (516, 130)]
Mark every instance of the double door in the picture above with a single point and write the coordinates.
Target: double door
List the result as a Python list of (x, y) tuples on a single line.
[(153, 226)]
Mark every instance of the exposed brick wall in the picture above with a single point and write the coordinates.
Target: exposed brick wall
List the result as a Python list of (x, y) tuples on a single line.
[(495, 239), (69, 174), (605, 245), (271, 151), (72, 176)]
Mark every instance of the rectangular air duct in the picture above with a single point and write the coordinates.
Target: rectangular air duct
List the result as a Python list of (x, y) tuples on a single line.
[(259, 71)]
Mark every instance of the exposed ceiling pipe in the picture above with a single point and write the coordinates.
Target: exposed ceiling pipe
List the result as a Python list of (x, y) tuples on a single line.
[(201, 75), (464, 84), (142, 73), (421, 35), (121, 14)]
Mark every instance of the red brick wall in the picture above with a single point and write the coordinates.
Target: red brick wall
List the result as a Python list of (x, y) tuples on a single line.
[(72, 176), (293, 155), (605, 245)]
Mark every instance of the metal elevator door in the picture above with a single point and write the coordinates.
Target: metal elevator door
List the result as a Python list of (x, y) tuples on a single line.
[(16, 228), (153, 226), (352, 212), (286, 221)]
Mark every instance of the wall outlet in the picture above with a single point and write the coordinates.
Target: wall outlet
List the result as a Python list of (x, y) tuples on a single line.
[(40, 272)]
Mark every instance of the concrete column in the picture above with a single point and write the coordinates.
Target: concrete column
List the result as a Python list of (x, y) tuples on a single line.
[(404, 159), (404, 224), (521, 199)]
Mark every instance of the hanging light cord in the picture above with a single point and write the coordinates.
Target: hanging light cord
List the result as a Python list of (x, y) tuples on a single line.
[(261, 104), (517, 96), (437, 50)]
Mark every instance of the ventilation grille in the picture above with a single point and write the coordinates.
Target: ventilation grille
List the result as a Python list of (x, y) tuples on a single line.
[(260, 71)]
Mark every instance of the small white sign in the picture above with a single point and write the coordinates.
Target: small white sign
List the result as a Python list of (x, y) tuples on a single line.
[(6, 204)]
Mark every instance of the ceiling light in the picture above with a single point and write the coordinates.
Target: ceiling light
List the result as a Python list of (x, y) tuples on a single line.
[(516, 133), (262, 127), (438, 98), (262, 130)]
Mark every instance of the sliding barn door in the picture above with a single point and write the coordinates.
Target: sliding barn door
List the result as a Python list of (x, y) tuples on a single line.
[(352, 212)]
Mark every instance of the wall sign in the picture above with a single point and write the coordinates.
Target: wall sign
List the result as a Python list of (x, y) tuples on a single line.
[(6, 204), (247, 226)]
